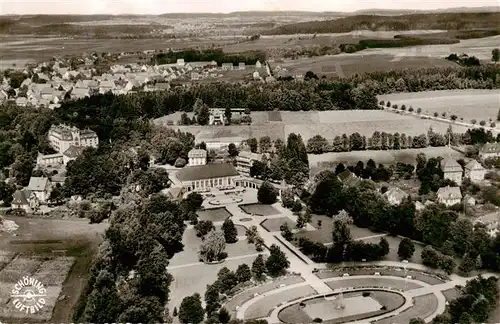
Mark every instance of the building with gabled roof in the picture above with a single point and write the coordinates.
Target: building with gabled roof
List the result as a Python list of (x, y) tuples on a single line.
[(22, 200), (449, 196), (61, 137), (452, 171), (40, 187), (197, 157), (475, 171), (395, 196), (347, 178)]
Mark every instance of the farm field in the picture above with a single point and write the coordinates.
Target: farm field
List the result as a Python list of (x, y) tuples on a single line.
[(345, 65), (466, 104), (64, 272), (339, 122), (384, 157)]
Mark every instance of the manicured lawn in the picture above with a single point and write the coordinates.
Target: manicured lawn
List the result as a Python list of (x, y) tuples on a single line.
[(259, 209), (417, 275), (376, 281), (451, 294), (394, 244), (264, 306), (192, 245), (324, 233), (423, 306), (248, 294), (273, 224), (214, 214), (357, 307)]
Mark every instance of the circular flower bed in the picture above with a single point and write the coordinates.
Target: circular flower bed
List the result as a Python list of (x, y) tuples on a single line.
[(228, 200), (246, 219)]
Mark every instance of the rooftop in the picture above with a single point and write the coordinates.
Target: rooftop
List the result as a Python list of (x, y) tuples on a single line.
[(490, 148), (449, 193), (38, 183), (249, 155), (450, 165), (474, 165), (73, 151), (197, 153), (21, 197), (208, 171)]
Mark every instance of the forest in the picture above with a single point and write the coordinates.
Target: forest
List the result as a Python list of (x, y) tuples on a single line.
[(435, 21)]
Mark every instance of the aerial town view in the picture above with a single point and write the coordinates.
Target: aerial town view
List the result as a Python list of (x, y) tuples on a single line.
[(250, 162)]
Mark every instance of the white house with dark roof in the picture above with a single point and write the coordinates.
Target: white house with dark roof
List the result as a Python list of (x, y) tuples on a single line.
[(40, 187), (490, 150), (449, 196), (245, 160), (395, 196), (205, 177), (23, 199), (197, 157), (61, 137), (475, 171), (452, 171)]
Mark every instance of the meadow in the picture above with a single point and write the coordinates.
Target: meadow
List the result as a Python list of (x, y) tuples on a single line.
[(466, 104)]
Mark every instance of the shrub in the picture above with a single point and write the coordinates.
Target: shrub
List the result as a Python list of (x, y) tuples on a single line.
[(473, 121), (388, 104), (410, 109), (317, 320), (366, 294), (403, 107), (395, 106), (436, 114), (419, 110), (453, 117), (443, 114), (482, 123), (381, 102), (493, 125)]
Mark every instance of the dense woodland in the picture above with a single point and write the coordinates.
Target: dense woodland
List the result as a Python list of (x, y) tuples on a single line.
[(438, 21)]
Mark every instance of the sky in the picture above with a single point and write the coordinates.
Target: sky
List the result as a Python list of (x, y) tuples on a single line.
[(222, 6)]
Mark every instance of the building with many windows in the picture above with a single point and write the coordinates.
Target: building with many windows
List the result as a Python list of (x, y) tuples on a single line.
[(205, 177), (197, 157), (61, 137), (245, 160), (452, 171)]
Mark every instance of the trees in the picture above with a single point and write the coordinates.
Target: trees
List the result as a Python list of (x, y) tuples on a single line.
[(265, 144), (287, 198), (212, 247), (285, 232), (232, 150), (204, 227), (203, 116), (495, 55), (230, 232), (277, 261), (406, 249), (228, 114), (243, 273), (251, 233), (212, 301), (258, 267), (6, 192), (317, 145), (430, 257), (191, 310), (253, 144), (267, 193)]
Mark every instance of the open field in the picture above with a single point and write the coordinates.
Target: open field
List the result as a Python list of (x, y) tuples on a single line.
[(356, 307), (384, 157), (194, 279), (339, 122), (466, 104), (423, 306), (33, 250), (259, 209), (345, 65), (264, 306), (192, 245)]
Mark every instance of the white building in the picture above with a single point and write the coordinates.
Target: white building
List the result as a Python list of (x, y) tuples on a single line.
[(205, 177), (245, 160), (449, 195), (40, 187), (475, 171), (221, 143), (216, 117), (395, 196), (61, 137), (452, 171), (197, 157), (490, 150)]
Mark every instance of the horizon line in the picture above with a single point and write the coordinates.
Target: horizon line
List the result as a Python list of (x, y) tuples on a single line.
[(242, 11)]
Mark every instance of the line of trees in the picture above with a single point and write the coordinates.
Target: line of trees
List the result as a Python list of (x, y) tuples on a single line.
[(216, 55)]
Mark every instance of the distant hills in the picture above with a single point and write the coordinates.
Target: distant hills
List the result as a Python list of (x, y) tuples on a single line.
[(420, 21)]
